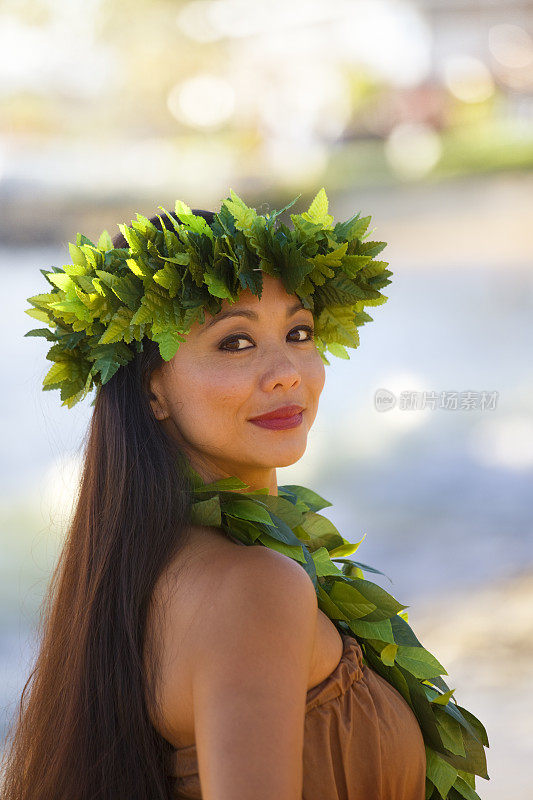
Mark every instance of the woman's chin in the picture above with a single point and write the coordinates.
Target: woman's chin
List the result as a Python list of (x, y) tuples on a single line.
[(283, 456)]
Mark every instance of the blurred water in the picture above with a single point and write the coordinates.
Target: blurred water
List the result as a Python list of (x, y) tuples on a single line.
[(443, 496)]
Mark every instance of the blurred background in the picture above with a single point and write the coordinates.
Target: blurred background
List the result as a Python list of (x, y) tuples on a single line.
[(417, 113)]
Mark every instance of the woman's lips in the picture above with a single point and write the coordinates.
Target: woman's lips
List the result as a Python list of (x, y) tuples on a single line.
[(280, 423)]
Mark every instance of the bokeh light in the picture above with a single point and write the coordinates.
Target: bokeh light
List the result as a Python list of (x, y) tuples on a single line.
[(511, 45), (413, 149), (197, 20), (203, 101), (468, 78)]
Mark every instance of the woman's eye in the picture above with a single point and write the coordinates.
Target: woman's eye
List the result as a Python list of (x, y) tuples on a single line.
[(231, 339)]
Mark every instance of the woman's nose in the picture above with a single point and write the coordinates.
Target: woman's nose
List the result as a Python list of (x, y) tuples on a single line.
[(279, 367)]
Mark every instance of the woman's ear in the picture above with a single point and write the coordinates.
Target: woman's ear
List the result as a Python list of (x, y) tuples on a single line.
[(156, 397)]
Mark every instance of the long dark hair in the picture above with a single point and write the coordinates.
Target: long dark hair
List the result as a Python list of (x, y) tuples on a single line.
[(83, 731)]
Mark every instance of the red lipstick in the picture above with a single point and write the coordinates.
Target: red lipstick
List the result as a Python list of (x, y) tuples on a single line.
[(280, 418)]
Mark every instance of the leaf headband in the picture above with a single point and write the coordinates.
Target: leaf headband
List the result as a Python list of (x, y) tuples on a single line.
[(108, 299)]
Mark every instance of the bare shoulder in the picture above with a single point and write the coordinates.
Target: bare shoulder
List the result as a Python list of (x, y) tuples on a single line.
[(268, 570), (258, 589), (239, 609), (213, 569), (251, 665), (225, 585)]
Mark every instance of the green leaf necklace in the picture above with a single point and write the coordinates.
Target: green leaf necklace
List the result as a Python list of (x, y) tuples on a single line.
[(290, 523)]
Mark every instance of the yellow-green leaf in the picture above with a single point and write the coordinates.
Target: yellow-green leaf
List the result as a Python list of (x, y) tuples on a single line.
[(318, 210), (388, 654)]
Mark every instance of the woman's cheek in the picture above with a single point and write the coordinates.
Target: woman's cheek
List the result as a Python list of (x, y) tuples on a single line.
[(318, 376), (224, 383)]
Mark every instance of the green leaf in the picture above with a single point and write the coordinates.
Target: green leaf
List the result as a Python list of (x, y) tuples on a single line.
[(318, 210), (105, 242), (125, 287), (385, 604), (246, 509), (353, 263), (77, 255), (468, 778), (321, 532), (60, 371), (244, 530), (451, 733), (371, 248), (119, 325), (478, 727), (46, 332), (323, 563), (354, 604), (307, 496), (62, 281), (338, 350), (223, 484), (107, 366), (37, 313), (182, 208), (195, 223), (207, 512), (358, 564), (475, 760), (81, 239), (373, 630), (465, 790), (346, 549), (292, 551), (327, 605), (283, 509), (217, 286), (244, 215), (169, 342), (281, 530), (404, 634), (442, 774), (456, 712), (419, 662), (442, 699)]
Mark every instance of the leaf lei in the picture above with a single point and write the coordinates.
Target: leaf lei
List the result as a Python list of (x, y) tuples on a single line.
[(454, 738), (108, 300)]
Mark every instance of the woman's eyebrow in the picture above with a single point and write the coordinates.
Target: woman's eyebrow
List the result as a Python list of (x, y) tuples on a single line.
[(245, 312)]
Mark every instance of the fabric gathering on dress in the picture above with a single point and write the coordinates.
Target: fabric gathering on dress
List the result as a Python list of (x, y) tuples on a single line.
[(362, 740)]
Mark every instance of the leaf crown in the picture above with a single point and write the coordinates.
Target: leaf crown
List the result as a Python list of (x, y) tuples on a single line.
[(102, 305)]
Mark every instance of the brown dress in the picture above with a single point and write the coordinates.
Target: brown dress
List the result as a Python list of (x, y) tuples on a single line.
[(362, 741)]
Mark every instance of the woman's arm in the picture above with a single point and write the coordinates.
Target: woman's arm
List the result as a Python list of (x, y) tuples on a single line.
[(250, 676)]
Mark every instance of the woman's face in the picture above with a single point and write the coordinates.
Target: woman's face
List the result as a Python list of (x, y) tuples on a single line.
[(232, 368)]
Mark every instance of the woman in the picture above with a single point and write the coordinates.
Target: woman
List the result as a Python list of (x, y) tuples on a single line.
[(174, 661), (243, 637)]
